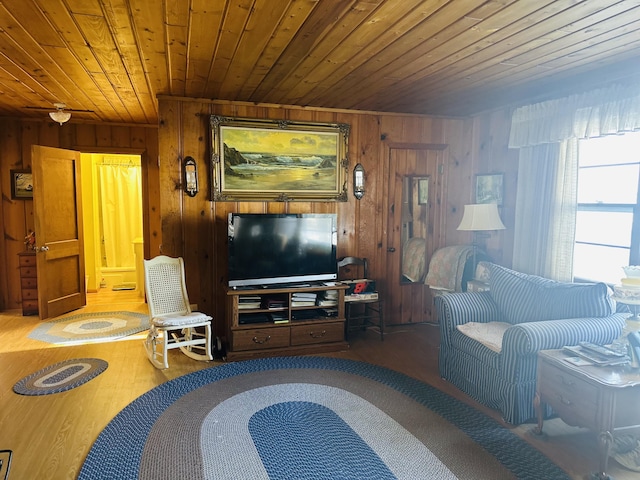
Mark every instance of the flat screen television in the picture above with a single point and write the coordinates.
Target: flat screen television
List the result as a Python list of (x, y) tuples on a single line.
[(269, 249)]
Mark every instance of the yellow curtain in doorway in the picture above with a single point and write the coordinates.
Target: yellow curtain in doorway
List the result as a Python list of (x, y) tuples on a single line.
[(120, 213)]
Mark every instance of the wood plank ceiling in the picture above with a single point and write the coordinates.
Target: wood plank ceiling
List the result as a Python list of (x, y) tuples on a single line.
[(109, 59)]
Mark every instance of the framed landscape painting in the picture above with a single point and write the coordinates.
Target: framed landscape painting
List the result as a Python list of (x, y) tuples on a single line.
[(278, 160), (489, 188), (21, 184)]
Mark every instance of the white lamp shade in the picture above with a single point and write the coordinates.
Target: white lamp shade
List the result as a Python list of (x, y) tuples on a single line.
[(481, 216), (60, 116)]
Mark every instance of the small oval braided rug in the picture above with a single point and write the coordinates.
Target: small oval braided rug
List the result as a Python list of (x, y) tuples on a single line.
[(61, 376)]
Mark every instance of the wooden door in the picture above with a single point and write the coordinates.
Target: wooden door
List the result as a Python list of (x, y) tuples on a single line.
[(415, 211), (58, 222)]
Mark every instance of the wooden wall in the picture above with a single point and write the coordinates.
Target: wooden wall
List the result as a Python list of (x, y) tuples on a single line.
[(492, 155), (195, 227), (16, 216)]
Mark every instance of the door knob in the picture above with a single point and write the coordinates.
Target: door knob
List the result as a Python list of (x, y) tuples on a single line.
[(391, 249), (42, 249)]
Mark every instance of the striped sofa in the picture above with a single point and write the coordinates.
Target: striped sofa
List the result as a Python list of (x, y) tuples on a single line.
[(494, 360)]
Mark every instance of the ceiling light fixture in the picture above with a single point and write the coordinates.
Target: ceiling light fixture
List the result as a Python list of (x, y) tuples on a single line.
[(60, 115)]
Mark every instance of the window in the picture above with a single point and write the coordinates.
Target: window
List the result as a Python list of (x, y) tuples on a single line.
[(608, 217)]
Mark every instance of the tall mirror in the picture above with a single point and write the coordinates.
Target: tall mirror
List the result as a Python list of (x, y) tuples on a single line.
[(415, 214)]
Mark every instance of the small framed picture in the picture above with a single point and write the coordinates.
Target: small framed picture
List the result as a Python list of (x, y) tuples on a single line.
[(489, 188), (21, 184), (423, 191)]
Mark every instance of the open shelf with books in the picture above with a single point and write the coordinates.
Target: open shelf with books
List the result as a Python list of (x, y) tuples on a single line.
[(287, 320)]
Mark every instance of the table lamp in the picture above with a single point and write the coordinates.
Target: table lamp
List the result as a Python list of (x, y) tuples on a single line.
[(477, 218)]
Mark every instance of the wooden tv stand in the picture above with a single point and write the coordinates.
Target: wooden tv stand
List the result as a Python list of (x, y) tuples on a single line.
[(300, 329)]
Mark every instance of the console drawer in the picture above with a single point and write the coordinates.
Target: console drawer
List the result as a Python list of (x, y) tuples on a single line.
[(28, 272), (27, 260), (317, 333), (260, 338), (29, 294), (30, 307), (29, 282), (574, 399)]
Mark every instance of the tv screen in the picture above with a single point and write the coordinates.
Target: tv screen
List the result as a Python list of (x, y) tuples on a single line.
[(267, 249)]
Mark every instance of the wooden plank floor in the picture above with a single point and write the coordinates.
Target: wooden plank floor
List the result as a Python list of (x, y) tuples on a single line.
[(51, 435)]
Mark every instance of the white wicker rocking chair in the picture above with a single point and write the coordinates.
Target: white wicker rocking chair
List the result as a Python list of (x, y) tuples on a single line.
[(170, 312)]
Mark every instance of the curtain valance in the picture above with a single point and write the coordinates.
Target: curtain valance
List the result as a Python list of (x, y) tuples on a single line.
[(605, 111)]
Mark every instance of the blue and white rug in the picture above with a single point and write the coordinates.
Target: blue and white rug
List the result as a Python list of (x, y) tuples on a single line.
[(61, 377), (307, 418), (91, 327)]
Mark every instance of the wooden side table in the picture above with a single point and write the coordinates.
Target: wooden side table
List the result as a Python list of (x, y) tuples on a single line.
[(603, 399), (28, 283)]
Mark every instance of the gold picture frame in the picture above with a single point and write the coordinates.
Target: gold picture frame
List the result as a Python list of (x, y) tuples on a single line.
[(21, 184), (278, 160)]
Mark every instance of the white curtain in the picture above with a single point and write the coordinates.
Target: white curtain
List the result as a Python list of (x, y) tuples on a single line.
[(121, 213), (547, 135), (546, 209)]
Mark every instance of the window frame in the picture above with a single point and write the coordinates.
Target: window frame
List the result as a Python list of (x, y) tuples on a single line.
[(634, 246)]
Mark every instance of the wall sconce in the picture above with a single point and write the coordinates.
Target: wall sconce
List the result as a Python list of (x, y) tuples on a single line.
[(190, 176), (60, 115), (358, 181)]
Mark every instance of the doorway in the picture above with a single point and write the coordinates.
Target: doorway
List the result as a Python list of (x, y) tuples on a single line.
[(414, 219), (113, 225)]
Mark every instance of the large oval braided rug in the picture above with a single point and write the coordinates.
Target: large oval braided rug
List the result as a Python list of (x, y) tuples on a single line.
[(307, 418)]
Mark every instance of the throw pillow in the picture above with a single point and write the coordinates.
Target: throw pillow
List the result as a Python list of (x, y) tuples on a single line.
[(517, 294), (530, 298), (575, 300)]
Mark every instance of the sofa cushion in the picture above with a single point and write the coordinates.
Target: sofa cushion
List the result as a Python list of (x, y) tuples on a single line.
[(529, 298)]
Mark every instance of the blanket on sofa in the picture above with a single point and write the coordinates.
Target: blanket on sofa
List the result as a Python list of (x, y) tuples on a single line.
[(446, 267)]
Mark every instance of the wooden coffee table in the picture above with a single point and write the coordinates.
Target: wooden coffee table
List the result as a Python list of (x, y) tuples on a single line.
[(603, 399)]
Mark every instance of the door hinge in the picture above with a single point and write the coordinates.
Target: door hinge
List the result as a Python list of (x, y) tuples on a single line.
[(441, 169)]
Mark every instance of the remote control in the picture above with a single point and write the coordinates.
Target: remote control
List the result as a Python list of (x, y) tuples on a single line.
[(600, 350)]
